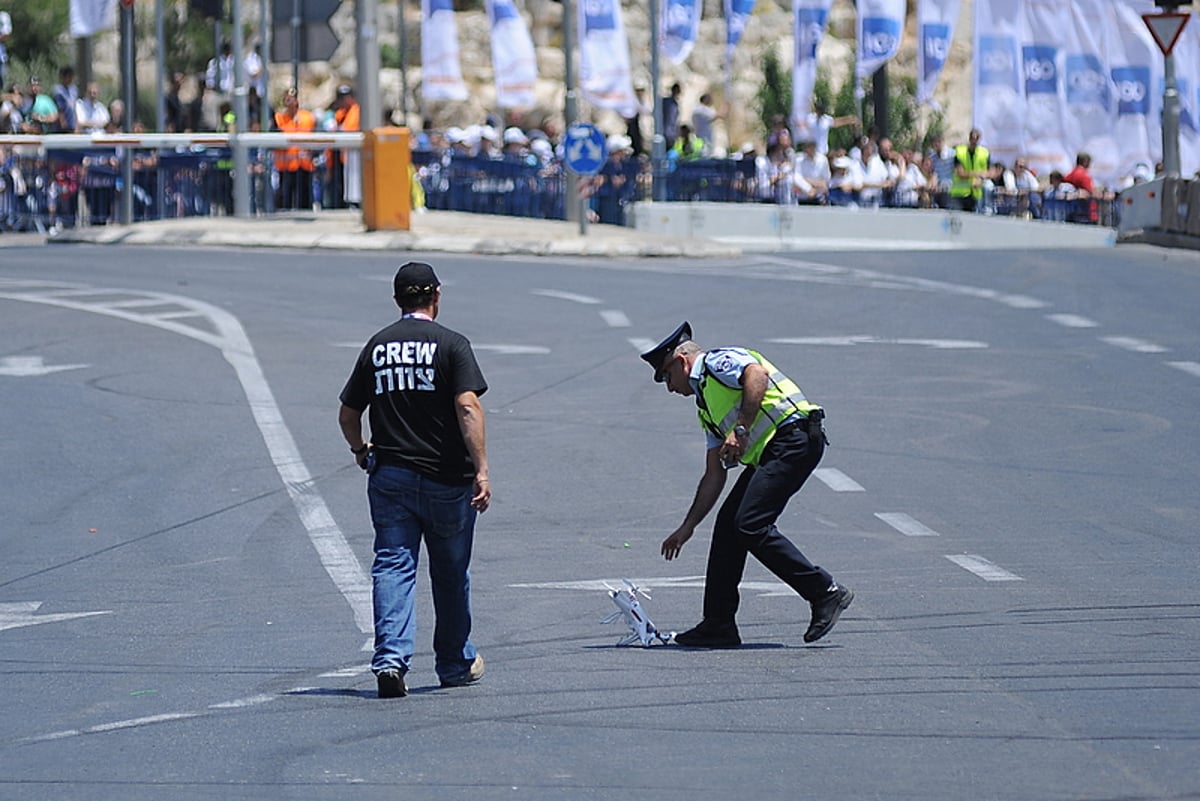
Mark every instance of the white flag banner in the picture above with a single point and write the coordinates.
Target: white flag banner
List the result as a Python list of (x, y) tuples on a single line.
[(809, 19), (513, 58), (605, 78), (936, 20), (1187, 82), (999, 99), (1089, 111), (89, 17), (1045, 142), (880, 27), (1134, 60), (441, 73), (680, 27), (736, 14)]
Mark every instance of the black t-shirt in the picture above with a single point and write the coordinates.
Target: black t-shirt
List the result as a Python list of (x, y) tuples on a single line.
[(408, 376)]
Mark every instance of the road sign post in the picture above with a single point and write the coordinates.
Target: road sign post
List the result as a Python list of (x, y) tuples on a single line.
[(1165, 28), (585, 151)]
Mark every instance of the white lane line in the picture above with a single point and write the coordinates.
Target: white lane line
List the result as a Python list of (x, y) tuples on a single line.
[(845, 341), (228, 336), (642, 344), (1191, 368), (1072, 320), (1022, 302), (615, 318), (571, 296), (1134, 344), (513, 350), (836, 480), (134, 723), (906, 525), (982, 567)]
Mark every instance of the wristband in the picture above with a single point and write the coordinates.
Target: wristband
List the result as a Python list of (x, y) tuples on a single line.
[(360, 451)]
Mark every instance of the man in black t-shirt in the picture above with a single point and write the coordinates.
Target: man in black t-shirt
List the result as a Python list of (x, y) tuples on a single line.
[(428, 477)]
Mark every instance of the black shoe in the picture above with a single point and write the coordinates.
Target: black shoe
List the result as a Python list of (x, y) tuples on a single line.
[(391, 684), (710, 635), (826, 612)]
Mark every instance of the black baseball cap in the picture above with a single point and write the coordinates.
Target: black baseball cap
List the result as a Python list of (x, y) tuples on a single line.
[(659, 353), (415, 277)]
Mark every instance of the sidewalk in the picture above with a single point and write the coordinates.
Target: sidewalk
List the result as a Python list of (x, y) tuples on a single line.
[(436, 231)]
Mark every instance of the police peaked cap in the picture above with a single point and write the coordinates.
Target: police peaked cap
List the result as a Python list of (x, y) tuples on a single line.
[(665, 348)]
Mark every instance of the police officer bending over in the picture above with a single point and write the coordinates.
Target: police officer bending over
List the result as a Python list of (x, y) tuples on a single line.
[(756, 416)]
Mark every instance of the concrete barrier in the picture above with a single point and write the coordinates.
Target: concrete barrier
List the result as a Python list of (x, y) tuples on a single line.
[(768, 228)]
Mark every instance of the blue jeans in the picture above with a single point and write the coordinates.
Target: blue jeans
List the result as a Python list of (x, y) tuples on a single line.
[(406, 507)]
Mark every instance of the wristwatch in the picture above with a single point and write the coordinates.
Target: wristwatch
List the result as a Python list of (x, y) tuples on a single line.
[(740, 431)]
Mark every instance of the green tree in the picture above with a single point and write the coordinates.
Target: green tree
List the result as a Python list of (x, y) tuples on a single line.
[(774, 95), (40, 42)]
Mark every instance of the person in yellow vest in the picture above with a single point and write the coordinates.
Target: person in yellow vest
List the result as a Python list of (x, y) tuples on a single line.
[(971, 169), (753, 416), (294, 164)]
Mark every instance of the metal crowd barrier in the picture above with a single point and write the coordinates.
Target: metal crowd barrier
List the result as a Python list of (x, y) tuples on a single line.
[(67, 180)]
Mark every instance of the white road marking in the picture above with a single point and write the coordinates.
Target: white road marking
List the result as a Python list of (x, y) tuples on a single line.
[(615, 318), (513, 350), (982, 567), (241, 703), (1192, 368), (845, 341), (27, 366), (836, 480), (653, 584), (1072, 320), (642, 345), (571, 296), (230, 338), (1134, 344), (133, 723), (1021, 302), (906, 525), (18, 614)]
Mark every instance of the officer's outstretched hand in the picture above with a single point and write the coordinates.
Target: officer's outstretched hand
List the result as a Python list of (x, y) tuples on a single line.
[(673, 544)]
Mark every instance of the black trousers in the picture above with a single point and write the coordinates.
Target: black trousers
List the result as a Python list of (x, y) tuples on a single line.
[(746, 525)]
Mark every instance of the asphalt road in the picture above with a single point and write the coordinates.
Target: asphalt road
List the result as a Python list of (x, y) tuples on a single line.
[(1011, 492)]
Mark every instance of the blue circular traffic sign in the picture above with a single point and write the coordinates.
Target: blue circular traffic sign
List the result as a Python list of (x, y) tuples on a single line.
[(586, 149)]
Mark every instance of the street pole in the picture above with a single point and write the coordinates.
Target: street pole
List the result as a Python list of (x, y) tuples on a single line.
[(570, 180), (241, 117), (366, 51), (404, 62), (658, 143), (129, 93), (1170, 123)]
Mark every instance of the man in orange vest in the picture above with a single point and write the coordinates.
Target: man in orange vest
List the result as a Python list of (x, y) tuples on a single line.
[(294, 164), (345, 167)]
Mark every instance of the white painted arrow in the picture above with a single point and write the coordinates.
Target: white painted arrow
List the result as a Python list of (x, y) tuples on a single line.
[(21, 613), (23, 366)]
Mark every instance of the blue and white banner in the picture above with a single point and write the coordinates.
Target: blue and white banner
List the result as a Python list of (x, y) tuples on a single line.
[(680, 27), (736, 14), (936, 20), (1054, 78), (605, 78), (89, 17), (809, 19), (880, 28), (513, 60), (441, 73)]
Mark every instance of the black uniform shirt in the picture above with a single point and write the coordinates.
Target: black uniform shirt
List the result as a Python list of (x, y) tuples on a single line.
[(408, 376)]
